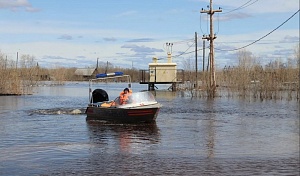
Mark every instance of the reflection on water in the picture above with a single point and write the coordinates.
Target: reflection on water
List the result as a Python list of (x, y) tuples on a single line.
[(210, 130), (132, 138), (41, 135)]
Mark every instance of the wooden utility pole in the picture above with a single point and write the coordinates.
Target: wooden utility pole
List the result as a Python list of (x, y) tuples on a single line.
[(196, 57), (211, 38), (17, 60), (203, 61)]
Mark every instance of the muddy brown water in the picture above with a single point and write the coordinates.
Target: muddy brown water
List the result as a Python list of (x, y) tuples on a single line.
[(40, 135)]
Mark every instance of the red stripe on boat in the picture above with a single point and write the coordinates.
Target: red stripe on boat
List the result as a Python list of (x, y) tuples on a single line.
[(140, 112)]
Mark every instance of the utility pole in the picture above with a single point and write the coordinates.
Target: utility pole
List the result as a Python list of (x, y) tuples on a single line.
[(211, 38), (17, 60), (203, 61), (196, 57), (97, 64)]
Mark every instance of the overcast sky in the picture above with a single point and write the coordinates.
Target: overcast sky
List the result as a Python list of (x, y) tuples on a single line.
[(74, 33)]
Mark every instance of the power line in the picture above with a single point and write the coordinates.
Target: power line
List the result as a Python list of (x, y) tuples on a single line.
[(185, 52), (188, 40), (201, 24), (241, 7), (238, 8), (264, 35)]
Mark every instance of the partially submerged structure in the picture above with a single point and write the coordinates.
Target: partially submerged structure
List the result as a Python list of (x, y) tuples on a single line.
[(86, 73), (162, 73)]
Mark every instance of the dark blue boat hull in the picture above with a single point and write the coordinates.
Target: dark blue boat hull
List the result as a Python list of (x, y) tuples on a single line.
[(145, 114)]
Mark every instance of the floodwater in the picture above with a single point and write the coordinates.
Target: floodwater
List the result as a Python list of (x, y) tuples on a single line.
[(192, 136)]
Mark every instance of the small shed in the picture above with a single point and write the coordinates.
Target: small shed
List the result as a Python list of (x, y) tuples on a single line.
[(86, 73)]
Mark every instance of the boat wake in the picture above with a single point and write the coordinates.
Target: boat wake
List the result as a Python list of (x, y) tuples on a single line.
[(58, 111)]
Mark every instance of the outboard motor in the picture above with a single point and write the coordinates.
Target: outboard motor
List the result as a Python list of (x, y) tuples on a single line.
[(99, 95)]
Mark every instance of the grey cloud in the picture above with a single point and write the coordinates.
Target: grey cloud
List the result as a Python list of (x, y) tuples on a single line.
[(141, 54), (55, 58), (278, 46), (81, 57), (283, 52), (66, 37), (15, 5), (141, 49), (110, 39), (224, 48), (290, 39)]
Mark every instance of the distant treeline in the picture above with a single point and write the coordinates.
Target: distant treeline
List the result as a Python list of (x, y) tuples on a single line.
[(247, 78), (16, 78)]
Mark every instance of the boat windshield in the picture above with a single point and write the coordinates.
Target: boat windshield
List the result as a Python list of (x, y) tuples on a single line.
[(137, 99)]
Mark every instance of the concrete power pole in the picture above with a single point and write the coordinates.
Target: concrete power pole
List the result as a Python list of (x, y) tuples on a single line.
[(211, 38)]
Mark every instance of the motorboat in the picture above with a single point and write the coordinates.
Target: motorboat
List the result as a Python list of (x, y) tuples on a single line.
[(141, 107)]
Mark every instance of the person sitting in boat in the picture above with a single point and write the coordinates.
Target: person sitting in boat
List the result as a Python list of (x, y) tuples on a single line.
[(125, 96)]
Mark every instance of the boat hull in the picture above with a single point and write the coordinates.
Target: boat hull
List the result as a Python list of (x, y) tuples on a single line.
[(142, 114)]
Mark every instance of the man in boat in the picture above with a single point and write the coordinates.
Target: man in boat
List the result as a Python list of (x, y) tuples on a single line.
[(125, 95), (123, 99)]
